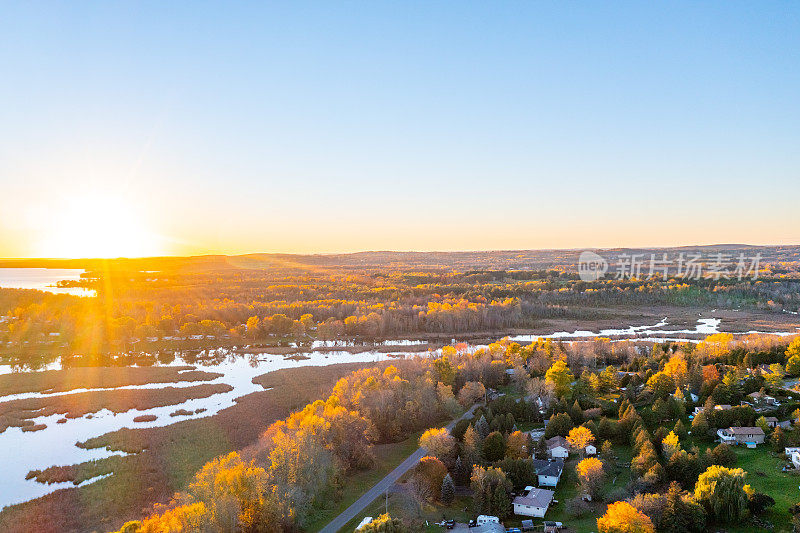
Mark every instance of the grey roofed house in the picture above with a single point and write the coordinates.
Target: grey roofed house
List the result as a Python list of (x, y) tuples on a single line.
[(548, 467), (536, 498)]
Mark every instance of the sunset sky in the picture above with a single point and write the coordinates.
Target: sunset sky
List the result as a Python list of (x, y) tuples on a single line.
[(145, 128)]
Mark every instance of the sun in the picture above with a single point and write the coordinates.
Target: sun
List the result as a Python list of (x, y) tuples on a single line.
[(97, 226)]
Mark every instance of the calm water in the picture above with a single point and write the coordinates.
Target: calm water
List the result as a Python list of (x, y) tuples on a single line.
[(55, 445), (43, 279)]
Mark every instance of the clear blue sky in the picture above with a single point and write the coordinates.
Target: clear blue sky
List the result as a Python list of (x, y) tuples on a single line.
[(332, 126)]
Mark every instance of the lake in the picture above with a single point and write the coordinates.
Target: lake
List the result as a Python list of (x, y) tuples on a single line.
[(42, 279)]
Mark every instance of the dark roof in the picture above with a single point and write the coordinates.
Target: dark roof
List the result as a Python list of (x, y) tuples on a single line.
[(556, 441), (551, 467)]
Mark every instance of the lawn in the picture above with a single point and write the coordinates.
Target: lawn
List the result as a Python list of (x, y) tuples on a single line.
[(388, 456), (764, 475), (568, 489)]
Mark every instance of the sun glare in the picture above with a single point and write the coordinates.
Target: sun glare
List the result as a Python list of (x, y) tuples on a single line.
[(98, 226)]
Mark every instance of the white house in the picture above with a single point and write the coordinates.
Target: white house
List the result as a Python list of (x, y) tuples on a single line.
[(548, 471), (796, 459), (557, 447), (591, 449), (741, 435), (789, 450), (534, 503)]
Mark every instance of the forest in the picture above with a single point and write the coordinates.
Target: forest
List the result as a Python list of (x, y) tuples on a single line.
[(148, 306)]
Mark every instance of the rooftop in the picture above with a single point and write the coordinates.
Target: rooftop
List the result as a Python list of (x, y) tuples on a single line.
[(558, 440), (536, 498), (548, 467), (736, 430)]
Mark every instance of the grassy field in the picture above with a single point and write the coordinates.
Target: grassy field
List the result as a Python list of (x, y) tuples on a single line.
[(173, 454), (388, 457), (764, 475)]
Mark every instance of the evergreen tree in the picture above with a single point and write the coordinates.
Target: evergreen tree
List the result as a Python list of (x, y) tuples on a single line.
[(501, 502), (482, 427), (448, 490)]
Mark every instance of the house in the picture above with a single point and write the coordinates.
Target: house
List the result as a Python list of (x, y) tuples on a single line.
[(771, 421), (741, 435), (785, 424), (591, 449), (789, 450), (534, 503), (796, 459), (759, 398), (548, 471), (723, 407), (557, 447)]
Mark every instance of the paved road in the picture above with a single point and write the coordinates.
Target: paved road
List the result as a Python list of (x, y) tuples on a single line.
[(383, 485)]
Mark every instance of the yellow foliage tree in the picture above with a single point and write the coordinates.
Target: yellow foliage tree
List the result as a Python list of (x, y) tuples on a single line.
[(676, 367), (438, 442), (561, 377), (579, 438), (670, 444), (591, 474), (622, 517)]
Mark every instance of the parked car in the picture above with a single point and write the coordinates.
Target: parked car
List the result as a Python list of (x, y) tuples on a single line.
[(514, 530), (473, 523), (450, 524)]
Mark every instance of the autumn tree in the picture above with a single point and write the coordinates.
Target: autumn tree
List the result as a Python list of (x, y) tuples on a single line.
[(429, 473), (518, 445), (721, 490), (622, 517), (661, 384), (793, 365), (579, 438), (793, 348), (591, 476), (471, 393), (670, 444), (439, 443), (384, 524), (561, 377), (676, 368)]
